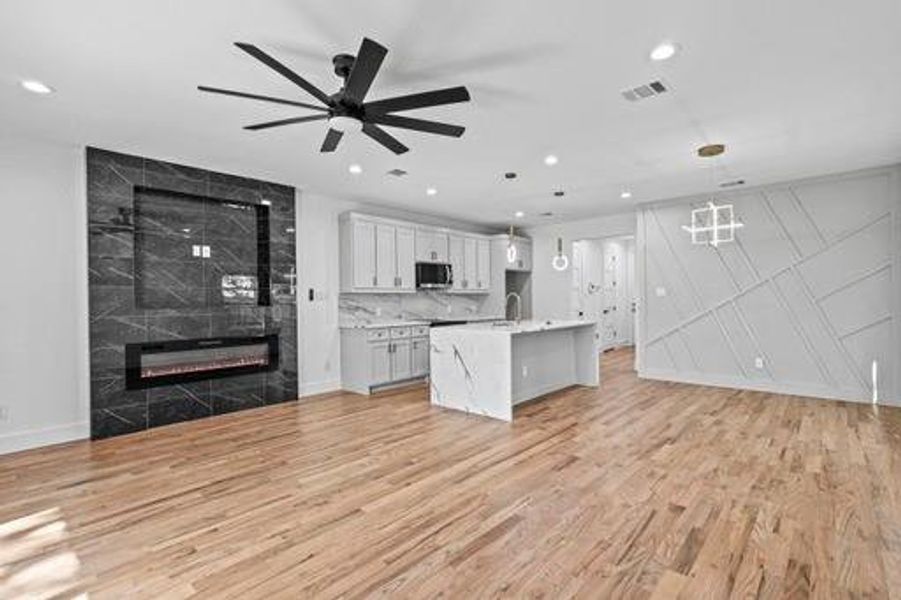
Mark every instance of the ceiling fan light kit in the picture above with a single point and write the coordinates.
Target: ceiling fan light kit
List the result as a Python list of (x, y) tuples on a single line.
[(346, 110)]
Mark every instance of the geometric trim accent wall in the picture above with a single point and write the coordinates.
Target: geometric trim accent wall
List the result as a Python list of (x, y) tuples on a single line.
[(804, 301)]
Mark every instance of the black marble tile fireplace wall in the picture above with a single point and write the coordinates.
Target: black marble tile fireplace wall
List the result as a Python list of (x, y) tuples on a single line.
[(146, 220)]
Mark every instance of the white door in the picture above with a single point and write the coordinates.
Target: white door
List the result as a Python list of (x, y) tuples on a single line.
[(385, 257), (420, 356), (401, 360), (364, 275), (483, 251), (455, 257), (406, 261), (379, 363), (470, 268)]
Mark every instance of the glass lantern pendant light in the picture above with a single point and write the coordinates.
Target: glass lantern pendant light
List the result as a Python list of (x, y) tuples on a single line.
[(511, 247), (560, 261)]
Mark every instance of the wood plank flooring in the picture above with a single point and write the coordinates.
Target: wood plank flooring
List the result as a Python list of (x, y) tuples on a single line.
[(638, 490)]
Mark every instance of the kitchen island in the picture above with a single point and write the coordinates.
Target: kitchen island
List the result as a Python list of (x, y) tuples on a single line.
[(488, 368)]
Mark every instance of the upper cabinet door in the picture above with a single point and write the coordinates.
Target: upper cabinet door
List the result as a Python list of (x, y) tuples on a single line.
[(470, 268), (385, 257), (363, 244), (405, 242), (431, 246), (455, 258), (424, 242), (525, 249), (483, 251)]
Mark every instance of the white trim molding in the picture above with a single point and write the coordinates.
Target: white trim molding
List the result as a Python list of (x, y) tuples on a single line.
[(36, 438)]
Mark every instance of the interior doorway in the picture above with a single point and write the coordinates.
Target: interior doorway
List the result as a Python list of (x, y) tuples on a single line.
[(603, 288)]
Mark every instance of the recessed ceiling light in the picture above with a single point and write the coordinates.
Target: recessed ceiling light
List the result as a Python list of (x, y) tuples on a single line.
[(431, 191), (36, 87), (664, 51), (519, 214), (551, 160), (626, 195), (355, 169)]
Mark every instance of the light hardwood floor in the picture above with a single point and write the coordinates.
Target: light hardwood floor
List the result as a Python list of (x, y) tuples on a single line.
[(637, 490)]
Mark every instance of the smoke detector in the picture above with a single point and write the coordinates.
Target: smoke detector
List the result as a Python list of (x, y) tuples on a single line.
[(643, 92)]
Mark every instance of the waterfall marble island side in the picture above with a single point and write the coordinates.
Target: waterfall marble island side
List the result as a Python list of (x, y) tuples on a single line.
[(488, 368)]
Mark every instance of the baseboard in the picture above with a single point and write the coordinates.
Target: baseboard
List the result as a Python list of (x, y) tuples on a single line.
[(808, 391), (36, 438), (319, 387)]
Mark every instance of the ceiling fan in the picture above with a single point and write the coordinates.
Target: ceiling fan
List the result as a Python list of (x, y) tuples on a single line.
[(346, 109)]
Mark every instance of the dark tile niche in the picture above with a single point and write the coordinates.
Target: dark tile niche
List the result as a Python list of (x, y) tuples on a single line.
[(145, 218)]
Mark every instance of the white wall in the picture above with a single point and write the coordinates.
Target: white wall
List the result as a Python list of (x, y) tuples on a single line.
[(811, 287), (43, 306), (551, 296), (319, 351)]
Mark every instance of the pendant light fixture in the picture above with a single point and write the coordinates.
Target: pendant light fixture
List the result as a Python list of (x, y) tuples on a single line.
[(560, 261), (511, 247), (713, 224)]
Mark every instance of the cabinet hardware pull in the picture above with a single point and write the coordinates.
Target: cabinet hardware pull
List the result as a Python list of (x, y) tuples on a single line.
[(375, 280)]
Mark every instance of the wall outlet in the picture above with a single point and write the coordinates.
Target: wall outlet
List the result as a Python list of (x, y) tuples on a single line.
[(758, 362), (525, 371), (4, 414)]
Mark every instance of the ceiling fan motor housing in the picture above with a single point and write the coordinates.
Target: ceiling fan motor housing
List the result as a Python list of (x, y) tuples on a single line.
[(344, 64)]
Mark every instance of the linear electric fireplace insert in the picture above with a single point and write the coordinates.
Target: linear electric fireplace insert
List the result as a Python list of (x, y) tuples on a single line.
[(151, 364)]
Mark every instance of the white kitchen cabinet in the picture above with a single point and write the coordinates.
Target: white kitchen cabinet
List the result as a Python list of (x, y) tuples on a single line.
[(377, 255), (405, 242), (431, 245), (483, 270), (379, 362), (363, 248), (470, 258), (385, 257), (401, 360), (379, 356), (523, 261), (455, 258), (419, 356)]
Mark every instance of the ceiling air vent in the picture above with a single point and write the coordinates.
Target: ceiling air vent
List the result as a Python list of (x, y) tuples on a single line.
[(396, 172), (648, 90)]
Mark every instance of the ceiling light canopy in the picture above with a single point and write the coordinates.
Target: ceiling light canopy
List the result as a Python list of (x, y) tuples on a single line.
[(551, 160), (36, 87), (345, 124), (664, 51)]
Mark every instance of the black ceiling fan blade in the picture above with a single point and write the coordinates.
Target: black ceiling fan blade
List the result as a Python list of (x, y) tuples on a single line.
[(384, 138), (421, 100), (212, 90), (366, 66), (284, 71), (417, 124), (331, 140), (281, 122)]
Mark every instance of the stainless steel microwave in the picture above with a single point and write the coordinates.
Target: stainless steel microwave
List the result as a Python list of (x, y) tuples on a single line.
[(434, 275)]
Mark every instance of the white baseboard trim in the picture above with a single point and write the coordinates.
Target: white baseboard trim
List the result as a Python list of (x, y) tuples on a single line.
[(319, 387), (47, 436), (808, 391)]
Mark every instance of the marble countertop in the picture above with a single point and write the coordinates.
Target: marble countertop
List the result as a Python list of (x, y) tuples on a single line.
[(512, 328)]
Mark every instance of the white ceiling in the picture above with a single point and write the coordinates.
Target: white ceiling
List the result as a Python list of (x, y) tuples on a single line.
[(794, 88)]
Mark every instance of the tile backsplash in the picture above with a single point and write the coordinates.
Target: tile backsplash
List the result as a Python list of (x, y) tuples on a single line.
[(355, 309)]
